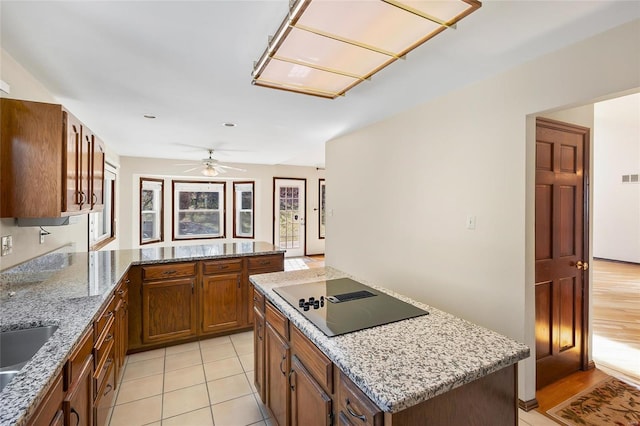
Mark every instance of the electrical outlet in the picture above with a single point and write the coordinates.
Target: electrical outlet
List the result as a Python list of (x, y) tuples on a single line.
[(7, 245)]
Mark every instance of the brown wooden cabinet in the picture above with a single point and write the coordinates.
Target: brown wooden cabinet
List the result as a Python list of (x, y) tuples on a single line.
[(121, 327), (168, 310), (278, 398), (310, 404), (78, 404), (221, 302), (46, 165), (260, 265), (354, 405), (97, 174), (258, 344)]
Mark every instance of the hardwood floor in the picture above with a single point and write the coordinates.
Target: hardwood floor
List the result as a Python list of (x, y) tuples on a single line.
[(616, 317), (616, 333)]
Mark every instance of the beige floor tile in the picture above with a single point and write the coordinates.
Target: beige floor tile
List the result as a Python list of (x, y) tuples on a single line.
[(242, 337), (262, 423), (145, 387), (144, 356), (139, 412), (250, 380), (218, 352), (269, 422), (243, 348), (182, 360), (154, 424), (222, 368), (137, 370), (237, 412), (184, 400), (216, 341), (201, 417), (228, 388), (183, 378), (247, 362), (185, 347), (522, 423)]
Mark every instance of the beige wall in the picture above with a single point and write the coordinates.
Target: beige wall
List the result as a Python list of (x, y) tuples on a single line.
[(26, 240), (132, 168), (471, 152)]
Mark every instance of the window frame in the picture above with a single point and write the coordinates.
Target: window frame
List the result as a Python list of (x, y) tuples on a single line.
[(322, 209), (236, 211), (160, 211), (110, 206), (175, 210)]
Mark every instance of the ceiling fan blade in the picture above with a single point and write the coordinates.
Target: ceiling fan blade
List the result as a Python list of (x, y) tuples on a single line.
[(193, 147), (193, 163), (190, 170), (219, 169), (231, 168)]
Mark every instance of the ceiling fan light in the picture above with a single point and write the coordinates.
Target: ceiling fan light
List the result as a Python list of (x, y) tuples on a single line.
[(209, 171)]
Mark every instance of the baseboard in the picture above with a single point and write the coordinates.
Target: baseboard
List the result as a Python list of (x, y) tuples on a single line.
[(591, 365), (528, 405), (616, 261)]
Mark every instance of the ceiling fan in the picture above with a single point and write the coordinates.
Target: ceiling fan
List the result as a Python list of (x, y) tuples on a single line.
[(210, 166)]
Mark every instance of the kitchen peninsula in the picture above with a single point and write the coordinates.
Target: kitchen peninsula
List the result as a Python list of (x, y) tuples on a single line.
[(108, 303), (433, 369)]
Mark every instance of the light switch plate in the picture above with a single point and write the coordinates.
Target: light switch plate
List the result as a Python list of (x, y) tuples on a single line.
[(7, 245)]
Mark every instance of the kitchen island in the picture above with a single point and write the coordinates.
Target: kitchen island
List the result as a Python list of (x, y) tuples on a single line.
[(74, 291), (432, 369)]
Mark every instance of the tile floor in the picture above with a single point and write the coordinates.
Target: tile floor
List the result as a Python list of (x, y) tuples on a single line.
[(203, 383)]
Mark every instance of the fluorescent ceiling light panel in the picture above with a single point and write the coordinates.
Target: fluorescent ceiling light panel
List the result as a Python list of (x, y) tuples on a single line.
[(325, 47)]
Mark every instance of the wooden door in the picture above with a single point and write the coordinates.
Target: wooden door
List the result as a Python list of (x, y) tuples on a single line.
[(168, 310), (276, 376), (310, 404), (97, 174), (78, 404), (72, 191), (221, 303), (561, 254), (258, 347)]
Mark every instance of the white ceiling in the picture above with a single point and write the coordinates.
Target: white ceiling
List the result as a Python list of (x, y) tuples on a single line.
[(189, 63)]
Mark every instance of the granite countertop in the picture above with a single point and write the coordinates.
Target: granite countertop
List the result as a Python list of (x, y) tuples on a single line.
[(68, 289), (401, 364)]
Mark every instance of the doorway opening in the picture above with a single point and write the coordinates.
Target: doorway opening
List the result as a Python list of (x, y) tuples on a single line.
[(289, 208)]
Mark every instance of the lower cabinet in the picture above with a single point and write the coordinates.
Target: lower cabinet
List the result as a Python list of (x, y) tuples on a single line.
[(50, 412), (168, 310), (221, 303), (310, 404), (258, 347), (77, 405), (276, 375)]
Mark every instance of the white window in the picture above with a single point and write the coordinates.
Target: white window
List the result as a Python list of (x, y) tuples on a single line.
[(243, 210), (102, 223), (151, 210), (198, 210)]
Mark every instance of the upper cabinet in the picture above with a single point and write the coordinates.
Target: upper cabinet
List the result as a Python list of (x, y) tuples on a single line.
[(51, 164)]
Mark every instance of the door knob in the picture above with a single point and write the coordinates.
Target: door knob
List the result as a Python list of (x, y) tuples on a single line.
[(582, 265)]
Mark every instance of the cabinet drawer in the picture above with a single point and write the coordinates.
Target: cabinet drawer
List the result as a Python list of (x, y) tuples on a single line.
[(76, 361), (270, 263), (103, 364), (106, 318), (258, 300), (221, 266), (278, 321), (356, 406), (105, 398), (173, 270), (103, 346), (318, 365)]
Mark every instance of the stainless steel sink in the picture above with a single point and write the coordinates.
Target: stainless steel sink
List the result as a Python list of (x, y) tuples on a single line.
[(17, 347)]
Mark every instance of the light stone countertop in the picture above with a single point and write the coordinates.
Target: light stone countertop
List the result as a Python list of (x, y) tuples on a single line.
[(68, 289), (401, 364)]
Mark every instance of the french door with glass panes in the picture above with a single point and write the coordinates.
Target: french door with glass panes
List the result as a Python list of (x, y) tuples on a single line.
[(289, 215)]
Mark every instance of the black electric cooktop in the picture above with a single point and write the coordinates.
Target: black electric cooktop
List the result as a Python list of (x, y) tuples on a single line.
[(343, 305)]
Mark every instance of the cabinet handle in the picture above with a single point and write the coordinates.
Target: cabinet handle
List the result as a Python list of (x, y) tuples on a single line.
[(265, 262), (223, 266), (108, 338), (284, 373), (120, 292), (353, 413), (107, 389), (238, 282), (259, 330), (73, 411), (127, 281), (291, 385), (109, 314), (170, 272), (94, 198)]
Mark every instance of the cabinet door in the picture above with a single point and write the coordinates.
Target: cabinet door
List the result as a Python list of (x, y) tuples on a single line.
[(85, 169), (250, 315), (78, 404), (276, 376), (49, 411), (120, 338), (258, 345), (72, 192), (221, 303), (97, 174), (310, 405), (168, 310)]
